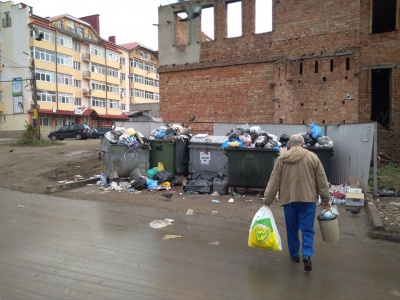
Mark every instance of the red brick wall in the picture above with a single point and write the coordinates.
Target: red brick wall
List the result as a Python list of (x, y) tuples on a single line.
[(237, 78)]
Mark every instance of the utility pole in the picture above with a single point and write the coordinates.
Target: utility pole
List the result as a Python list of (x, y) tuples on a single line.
[(36, 119)]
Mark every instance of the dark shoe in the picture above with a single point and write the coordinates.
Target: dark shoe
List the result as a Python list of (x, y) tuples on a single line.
[(295, 259), (307, 263)]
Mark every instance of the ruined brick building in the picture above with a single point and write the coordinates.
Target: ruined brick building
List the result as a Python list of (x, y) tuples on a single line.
[(328, 62)]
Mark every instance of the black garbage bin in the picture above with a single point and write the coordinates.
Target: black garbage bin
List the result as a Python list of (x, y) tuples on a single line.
[(325, 156), (250, 167)]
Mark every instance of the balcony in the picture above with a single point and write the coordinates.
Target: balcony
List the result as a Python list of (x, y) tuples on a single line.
[(86, 75), (87, 91), (86, 56)]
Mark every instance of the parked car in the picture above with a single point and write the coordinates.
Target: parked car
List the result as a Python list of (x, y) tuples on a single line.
[(99, 132), (77, 131)]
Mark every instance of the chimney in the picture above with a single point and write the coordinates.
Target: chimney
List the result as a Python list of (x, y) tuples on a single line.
[(93, 20), (112, 39)]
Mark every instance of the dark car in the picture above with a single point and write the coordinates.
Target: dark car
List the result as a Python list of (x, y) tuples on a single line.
[(99, 132), (77, 131)]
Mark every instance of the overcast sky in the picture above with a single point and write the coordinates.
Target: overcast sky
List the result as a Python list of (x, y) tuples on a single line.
[(132, 20), (129, 20)]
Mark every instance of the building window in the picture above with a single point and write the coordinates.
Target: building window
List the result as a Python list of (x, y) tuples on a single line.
[(96, 51), (65, 79), (98, 86), (149, 95), (64, 60), (123, 106), (77, 83), (123, 92), (148, 68), (98, 102), (44, 75), (157, 96), (59, 122), (77, 65), (43, 54), (111, 55), (156, 83), (96, 68), (65, 98), (79, 32), (48, 35), (45, 120), (113, 104), (144, 55), (65, 41), (383, 16), (138, 93), (46, 96), (1, 97), (123, 76), (78, 101), (113, 88), (122, 61), (138, 78), (148, 81), (138, 64), (112, 72), (77, 47)]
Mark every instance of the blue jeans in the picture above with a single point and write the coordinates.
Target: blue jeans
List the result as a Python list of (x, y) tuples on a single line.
[(300, 216)]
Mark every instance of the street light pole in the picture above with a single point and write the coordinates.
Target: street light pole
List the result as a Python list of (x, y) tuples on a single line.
[(36, 119)]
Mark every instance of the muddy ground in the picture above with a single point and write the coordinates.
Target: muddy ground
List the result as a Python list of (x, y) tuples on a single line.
[(32, 169)]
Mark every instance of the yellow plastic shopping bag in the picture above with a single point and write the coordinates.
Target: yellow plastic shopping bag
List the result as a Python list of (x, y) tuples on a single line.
[(263, 232), (160, 166)]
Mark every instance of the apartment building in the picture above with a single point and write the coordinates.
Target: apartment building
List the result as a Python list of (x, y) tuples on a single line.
[(79, 77)]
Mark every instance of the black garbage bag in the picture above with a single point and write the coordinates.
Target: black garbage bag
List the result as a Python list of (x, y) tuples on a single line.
[(206, 175), (135, 174), (199, 186), (163, 176), (139, 183)]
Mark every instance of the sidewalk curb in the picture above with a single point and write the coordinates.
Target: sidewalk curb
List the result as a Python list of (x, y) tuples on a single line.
[(69, 185), (378, 230)]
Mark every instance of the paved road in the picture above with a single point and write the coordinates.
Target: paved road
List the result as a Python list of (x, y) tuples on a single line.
[(58, 248)]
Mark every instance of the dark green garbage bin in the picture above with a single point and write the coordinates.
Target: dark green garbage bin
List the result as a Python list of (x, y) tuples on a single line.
[(173, 154), (250, 167), (325, 156)]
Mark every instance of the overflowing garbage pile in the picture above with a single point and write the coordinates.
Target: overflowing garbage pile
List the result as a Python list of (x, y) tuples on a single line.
[(128, 136), (251, 137), (170, 132), (316, 138)]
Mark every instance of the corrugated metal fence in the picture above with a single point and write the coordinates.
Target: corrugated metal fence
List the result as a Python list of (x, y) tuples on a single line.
[(353, 144)]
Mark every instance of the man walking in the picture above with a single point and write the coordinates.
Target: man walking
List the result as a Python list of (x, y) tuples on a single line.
[(299, 177)]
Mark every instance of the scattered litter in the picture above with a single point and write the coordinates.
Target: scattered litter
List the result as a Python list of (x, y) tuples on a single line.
[(90, 184), (168, 196), (394, 203), (161, 223), (216, 243), (62, 181), (236, 195), (21, 206), (248, 200), (189, 212), (215, 194), (78, 177), (231, 200), (215, 201), (215, 211), (171, 236)]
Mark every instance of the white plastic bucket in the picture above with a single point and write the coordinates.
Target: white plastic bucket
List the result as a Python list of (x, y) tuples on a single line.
[(329, 229)]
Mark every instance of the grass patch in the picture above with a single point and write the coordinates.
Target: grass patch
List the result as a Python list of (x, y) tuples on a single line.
[(388, 176)]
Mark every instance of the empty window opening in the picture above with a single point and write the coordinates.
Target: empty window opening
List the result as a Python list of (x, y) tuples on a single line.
[(324, 103), (383, 16), (345, 77), (344, 121), (316, 66), (331, 65), (279, 72), (380, 94), (301, 68), (323, 121), (234, 19), (263, 16), (181, 32), (304, 122), (347, 64), (301, 104), (207, 24), (280, 120), (343, 102)]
